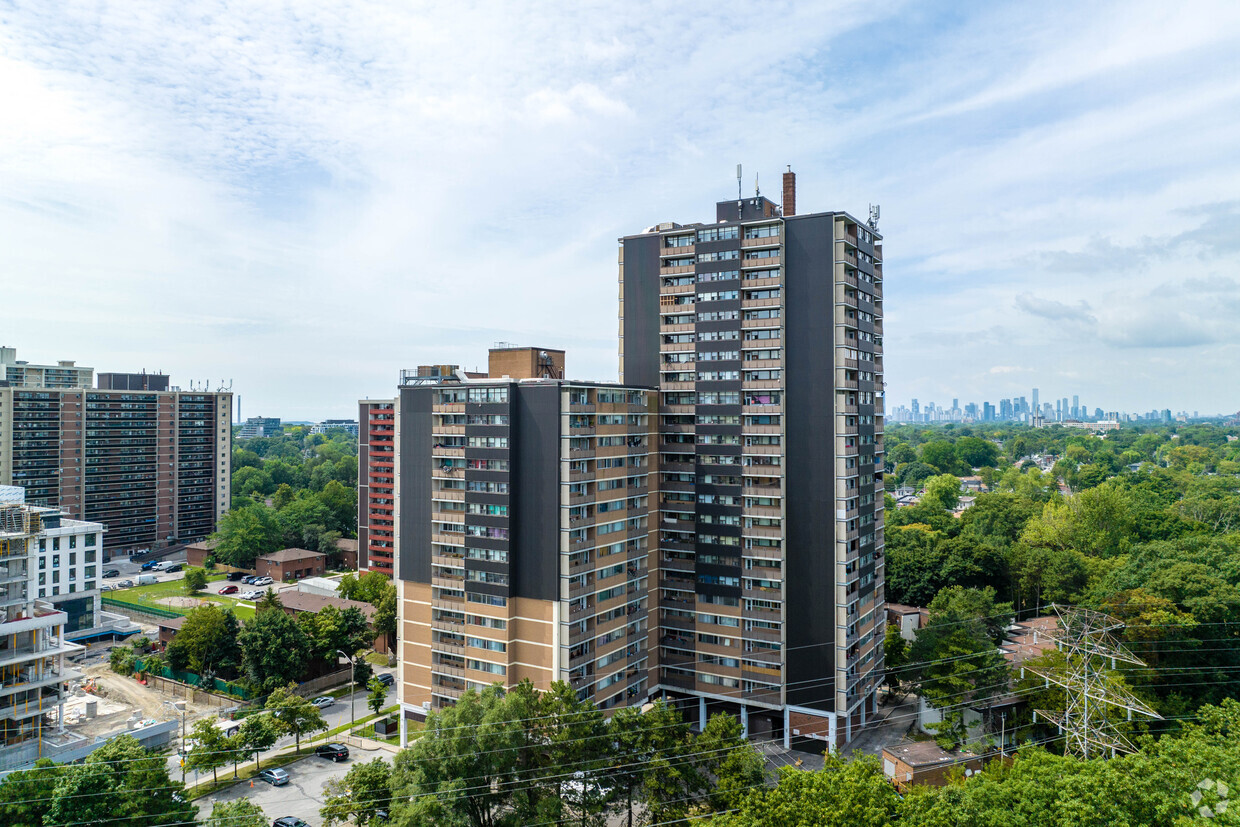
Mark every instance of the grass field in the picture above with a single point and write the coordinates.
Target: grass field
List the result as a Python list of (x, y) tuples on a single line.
[(152, 595)]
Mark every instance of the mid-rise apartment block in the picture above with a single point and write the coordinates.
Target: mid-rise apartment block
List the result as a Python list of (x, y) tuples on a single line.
[(153, 466), (763, 331), (259, 426), (523, 509), (33, 645), (63, 374)]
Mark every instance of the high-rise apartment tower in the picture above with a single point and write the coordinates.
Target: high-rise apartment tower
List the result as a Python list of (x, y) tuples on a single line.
[(763, 331)]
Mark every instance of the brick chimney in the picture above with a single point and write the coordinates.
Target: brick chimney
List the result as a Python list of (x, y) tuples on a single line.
[(790, 192)]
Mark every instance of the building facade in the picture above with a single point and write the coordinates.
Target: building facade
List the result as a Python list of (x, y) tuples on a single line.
[(763, 332), (63, 374), (376, 486), (349, 426), (33, 645), (523, 507), (257, 426), (152, 466)]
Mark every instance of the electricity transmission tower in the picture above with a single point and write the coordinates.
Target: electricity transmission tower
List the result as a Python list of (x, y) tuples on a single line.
[(1087, 639)]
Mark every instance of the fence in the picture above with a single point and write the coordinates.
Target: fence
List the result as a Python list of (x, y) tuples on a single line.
[(189, 686), (126, 607), (329, 681)]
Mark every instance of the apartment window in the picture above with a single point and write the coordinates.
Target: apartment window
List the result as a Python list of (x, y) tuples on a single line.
[(487, 509), (487, 622), (764, 231), (486, 599), (722, 275), (491, 554), (719, 316), (718, 234), (487, 531), (719, 255), (484, 666), (721, 295), (679, 241), (56, 546), (483, 643), (488, 395), (488, 442), (72, 541)]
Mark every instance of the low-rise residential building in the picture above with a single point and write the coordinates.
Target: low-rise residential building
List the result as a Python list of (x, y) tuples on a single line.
[(908, 619), (291, 564), (925, 762)]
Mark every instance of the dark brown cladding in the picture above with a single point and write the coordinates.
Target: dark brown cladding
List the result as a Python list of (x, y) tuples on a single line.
[(151, 465)]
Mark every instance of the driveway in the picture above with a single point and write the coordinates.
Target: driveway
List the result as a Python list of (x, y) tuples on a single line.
[(302, 796)]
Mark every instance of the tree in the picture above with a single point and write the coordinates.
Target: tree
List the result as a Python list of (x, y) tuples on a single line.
[(256, 734), (895, 655), (269, 600), (369, 588), (358, 796), (121, 660), (120, 785), (378, 695), (240, 812), (646, 746), (942, 490), (211, 749), (384, 621), (363, 672), (843, 793), (726, 755), (513, 746), (207, 642), (331, 630), (17, 806), (274, 650), (958, 662), (245, 533), (941, 455), (977, 453), (195, 580), (294, 714)]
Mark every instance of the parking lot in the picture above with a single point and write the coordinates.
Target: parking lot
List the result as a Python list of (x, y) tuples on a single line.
[(302, 796)]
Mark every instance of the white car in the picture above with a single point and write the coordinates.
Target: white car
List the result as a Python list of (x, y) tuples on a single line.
[(323, 701), (251, 595), (263, 581)]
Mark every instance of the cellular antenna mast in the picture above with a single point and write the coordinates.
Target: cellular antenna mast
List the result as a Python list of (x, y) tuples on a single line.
[(739, 196)]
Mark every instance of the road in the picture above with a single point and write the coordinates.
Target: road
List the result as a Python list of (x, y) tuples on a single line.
[(336, 715), (301, 797)]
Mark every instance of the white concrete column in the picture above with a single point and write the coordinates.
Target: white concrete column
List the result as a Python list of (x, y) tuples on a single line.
[(833, 731), (787, 728), (847, 727), (404, 729), (701, 714), (744, 720)]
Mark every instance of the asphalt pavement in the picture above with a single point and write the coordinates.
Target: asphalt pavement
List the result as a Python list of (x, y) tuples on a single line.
[(301, 797)]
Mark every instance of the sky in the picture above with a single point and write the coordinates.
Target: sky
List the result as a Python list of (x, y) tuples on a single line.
[(304, 198)]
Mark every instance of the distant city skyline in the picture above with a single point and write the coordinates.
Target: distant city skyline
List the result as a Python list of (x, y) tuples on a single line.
[(1025, 407)]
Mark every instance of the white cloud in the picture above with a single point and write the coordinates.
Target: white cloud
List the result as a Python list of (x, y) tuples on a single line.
[(309, 197)]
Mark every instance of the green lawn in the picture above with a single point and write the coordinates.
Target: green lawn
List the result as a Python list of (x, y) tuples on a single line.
[(151, 595)]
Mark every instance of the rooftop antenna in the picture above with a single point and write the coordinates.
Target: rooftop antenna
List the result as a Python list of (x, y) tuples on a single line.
[(739, 196), (757, 191), (874, 213)]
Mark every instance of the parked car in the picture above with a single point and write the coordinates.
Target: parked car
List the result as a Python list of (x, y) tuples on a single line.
[(276, 777), (234, 576), (251, 595), (336, 752), (148, 565), (289, 821), (323, 701), (263, 581), (124, 584), (381, 815), (171, 567), (229, 590), (386, 678), (249, 578), (111, 572)]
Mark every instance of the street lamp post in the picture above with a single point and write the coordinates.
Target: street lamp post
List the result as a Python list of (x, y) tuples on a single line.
[(352, 691)]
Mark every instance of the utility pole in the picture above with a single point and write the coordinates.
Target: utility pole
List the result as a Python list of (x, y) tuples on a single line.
[(352, 691), (1084, 636)]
